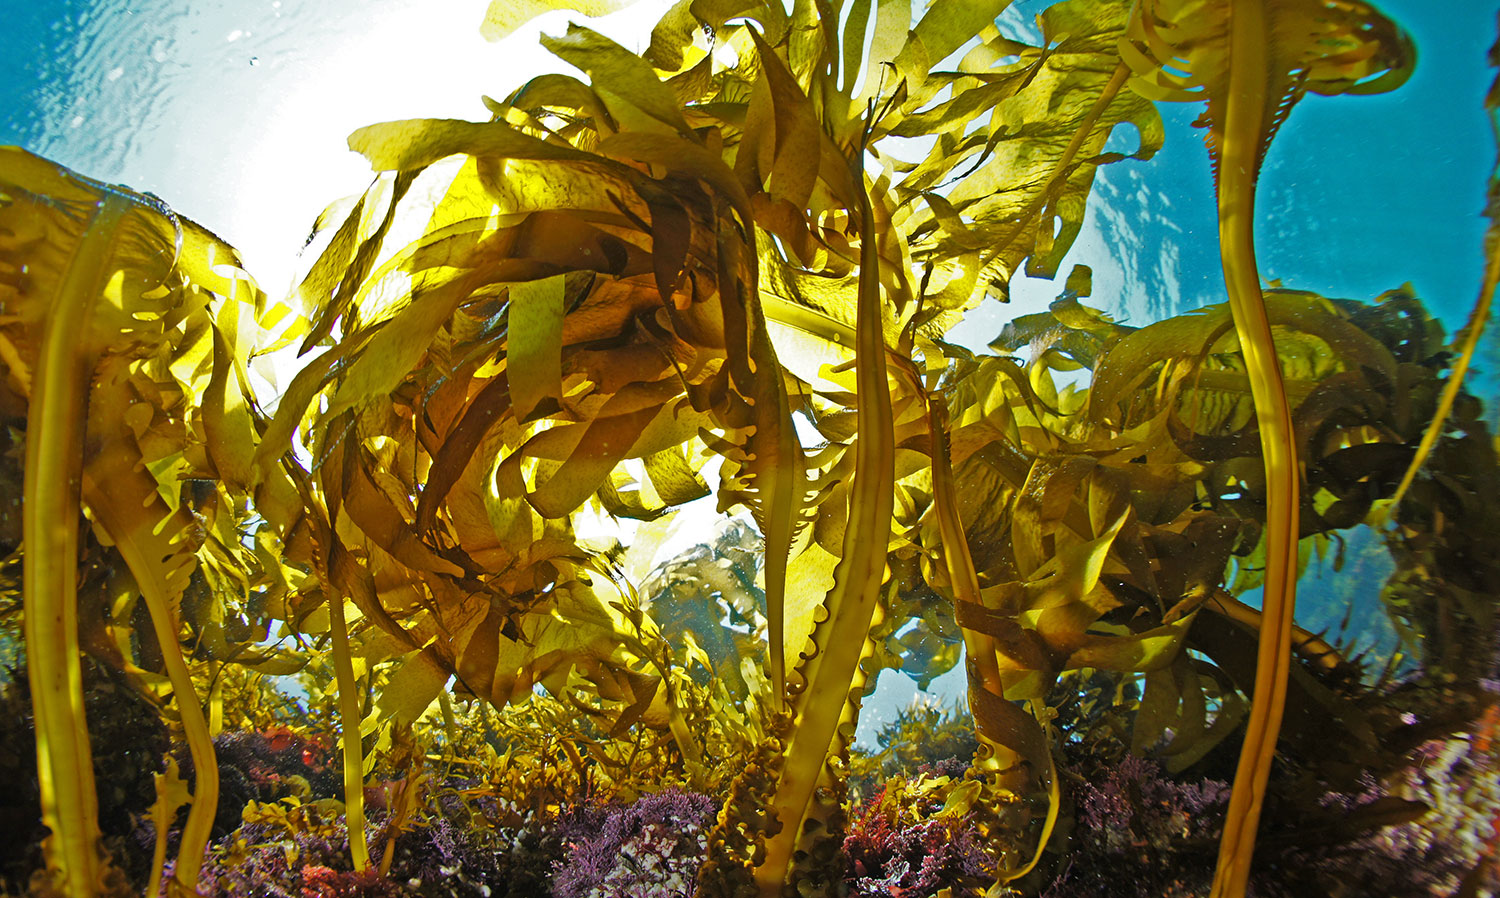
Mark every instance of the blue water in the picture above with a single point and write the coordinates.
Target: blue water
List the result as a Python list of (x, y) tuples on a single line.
[(1358, 195), (235, 113)]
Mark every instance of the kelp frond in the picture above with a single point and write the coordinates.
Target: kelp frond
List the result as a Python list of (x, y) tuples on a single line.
[(115, 297), (709, 253), (1251, 62)]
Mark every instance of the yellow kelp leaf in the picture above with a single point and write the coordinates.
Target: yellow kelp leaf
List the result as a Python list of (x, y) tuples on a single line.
[(330, 284), (350, 716), (417, 143), (674, 31), (893, 19), (413, 686), (533, 364), (226, 412), (1049, 114), (621, 73), (1045, 500), (1131, 652), (1472, 331), (809, 575), (1176, 700), (347, 473), (396, 347), (504, 16), (944, 27), (299, 394), (155, 543)]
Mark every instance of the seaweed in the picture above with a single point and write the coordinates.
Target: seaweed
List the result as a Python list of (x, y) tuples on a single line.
[(709, 254)]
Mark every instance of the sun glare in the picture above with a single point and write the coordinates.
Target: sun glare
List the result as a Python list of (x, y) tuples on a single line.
[(417, 61)]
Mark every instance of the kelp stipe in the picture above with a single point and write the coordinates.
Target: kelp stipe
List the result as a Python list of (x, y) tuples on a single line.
[(111, 292), (350, 734), (857, 578), (1478, 319), (1252, 61), (54, 464)]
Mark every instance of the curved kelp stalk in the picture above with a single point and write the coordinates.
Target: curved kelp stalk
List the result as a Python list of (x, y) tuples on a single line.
[(114, 488), (349, 720), (1007, 734), (851, 602), (1477, 319), (1451, 387), (1251, 61), (104, 281), (49, 508)]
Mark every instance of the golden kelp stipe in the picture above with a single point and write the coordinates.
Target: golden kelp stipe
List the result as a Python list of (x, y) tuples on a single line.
[(1478, 319), (856, 580), (1251, 61), (112, 296), (54, 458)]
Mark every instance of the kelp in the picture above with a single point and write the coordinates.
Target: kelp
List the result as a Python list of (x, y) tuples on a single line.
[(1251, 62), (1478, 319), (714, 253), (120, 310)]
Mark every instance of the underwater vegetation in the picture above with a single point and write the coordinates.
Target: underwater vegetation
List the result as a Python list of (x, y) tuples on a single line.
[(706, 259)]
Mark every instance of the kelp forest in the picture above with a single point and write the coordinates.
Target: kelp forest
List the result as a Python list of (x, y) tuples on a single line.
[(360, 636)]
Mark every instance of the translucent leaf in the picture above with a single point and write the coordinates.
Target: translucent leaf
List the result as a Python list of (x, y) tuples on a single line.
[(534, 351), (412, 687), (503, 17)]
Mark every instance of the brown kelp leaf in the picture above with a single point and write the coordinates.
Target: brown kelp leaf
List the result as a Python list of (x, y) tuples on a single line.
[(1175, 705), (782, 128), (501, 654), (1004, 723), (1336, 344), (373, 512), (600, 445), (677, 154), (671, 238), (673, 478)]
